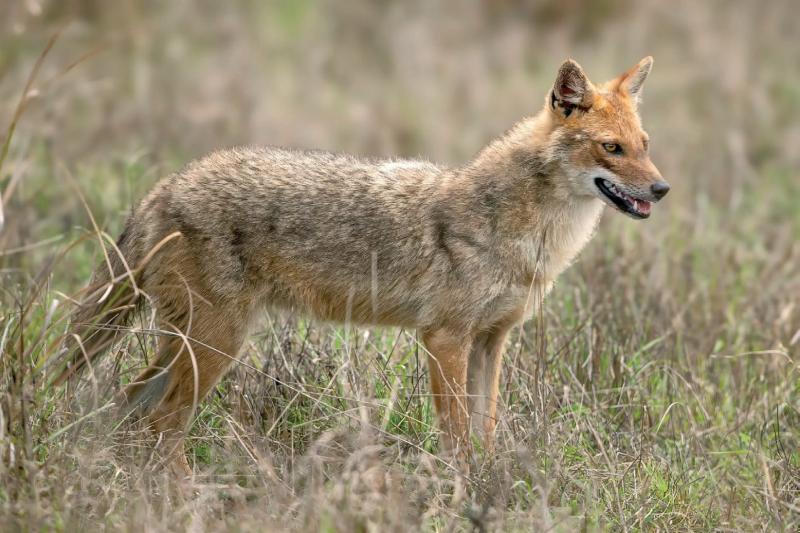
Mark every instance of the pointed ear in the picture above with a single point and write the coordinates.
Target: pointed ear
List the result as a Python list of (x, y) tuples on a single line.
[(632, 81), (571, 90)]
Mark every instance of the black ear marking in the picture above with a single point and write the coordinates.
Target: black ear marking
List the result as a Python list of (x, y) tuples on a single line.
[(566, 107), (571, 90)]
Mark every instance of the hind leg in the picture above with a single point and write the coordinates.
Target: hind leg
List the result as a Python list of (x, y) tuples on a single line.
[(190, 362)]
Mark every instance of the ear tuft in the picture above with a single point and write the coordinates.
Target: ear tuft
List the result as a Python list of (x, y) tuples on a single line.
[(633, 80), (571, 89)]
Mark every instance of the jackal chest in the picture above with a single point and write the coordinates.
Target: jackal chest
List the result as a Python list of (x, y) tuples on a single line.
[(533, 263)]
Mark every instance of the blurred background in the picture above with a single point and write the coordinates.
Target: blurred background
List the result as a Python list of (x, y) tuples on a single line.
[(705, 294)]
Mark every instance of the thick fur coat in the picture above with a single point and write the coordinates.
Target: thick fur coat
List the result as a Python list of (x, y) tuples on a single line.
[(462, 254)]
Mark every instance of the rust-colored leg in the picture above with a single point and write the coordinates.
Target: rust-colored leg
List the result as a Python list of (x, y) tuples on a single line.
[(184, 372), (447, 363)]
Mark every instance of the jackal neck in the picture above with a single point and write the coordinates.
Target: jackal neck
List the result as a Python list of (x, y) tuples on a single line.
[(515, 198), (517, 183)]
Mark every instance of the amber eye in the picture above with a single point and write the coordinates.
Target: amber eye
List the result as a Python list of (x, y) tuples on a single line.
[(612, 148)]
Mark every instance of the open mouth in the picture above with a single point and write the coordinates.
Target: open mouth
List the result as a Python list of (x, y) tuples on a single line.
[(623, 201)]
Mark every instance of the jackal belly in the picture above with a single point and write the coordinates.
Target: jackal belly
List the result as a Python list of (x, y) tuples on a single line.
[(422, 293)]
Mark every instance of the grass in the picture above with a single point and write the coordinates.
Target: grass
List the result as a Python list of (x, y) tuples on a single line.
[(657, 390)]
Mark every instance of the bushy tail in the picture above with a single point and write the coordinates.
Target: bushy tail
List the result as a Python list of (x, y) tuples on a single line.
[(110, 298)]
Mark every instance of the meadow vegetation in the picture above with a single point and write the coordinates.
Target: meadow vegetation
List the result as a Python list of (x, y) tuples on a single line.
[(657, 389)]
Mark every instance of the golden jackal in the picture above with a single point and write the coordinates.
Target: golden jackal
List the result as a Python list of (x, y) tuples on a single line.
[(462, 254)]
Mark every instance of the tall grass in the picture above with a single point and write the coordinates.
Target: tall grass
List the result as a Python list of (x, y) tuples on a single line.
[(658, 389)]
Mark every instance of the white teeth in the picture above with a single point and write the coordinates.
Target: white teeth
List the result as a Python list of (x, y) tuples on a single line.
[(636, 204), (613, 188)]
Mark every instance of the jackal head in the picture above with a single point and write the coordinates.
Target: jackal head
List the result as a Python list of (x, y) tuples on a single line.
[(599, 141)]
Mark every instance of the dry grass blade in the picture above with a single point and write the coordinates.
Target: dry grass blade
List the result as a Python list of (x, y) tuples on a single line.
[(18, 111)]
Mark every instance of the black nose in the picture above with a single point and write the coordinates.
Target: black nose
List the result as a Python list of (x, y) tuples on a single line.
[(660, 189)]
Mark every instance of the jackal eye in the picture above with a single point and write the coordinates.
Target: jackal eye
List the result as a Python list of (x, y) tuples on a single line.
[(612, 148)]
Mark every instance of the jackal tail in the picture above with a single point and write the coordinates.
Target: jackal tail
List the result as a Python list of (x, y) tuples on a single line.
[(109, 300)]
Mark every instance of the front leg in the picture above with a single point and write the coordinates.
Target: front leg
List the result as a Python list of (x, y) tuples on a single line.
[(483, 382), (447, 363)]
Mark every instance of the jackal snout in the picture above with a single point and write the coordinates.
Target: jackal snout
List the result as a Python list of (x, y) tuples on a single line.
[(659, 189), (650, 185)]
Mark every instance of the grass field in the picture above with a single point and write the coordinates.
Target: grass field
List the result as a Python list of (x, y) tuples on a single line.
[(658, 388)]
